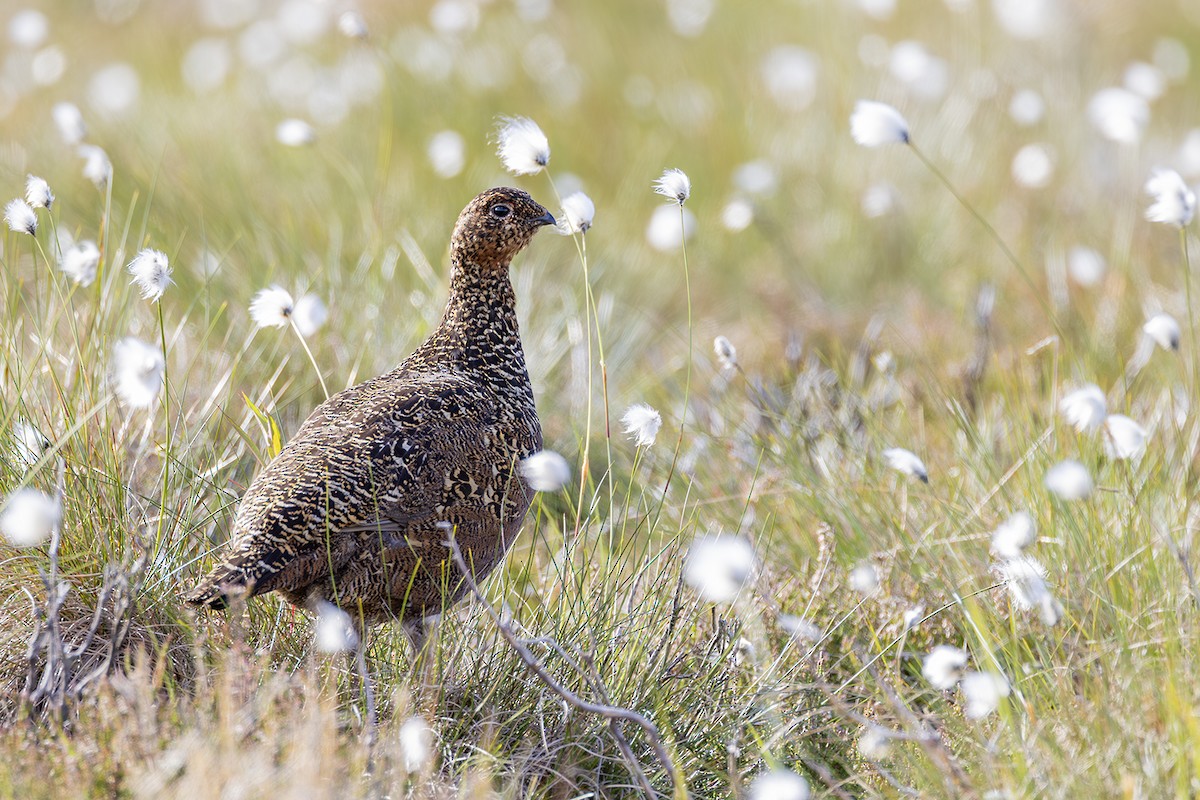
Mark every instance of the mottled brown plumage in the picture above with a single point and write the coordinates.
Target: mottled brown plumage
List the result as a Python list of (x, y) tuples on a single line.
[(353, 511)]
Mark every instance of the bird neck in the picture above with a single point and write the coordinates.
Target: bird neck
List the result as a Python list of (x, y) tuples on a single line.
[(479, 328)]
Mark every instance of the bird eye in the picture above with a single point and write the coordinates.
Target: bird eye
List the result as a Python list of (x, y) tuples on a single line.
[(501, 211)]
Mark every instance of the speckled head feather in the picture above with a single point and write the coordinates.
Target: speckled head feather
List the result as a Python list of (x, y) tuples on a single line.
[(354, 510)]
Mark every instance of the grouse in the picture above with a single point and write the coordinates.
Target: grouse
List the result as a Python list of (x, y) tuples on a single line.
[(355, 509)]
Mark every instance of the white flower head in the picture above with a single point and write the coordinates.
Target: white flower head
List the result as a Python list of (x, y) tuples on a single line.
[(674, 185), (447, 153), (1069, 480), (875, 124), (875, 742), (20, 217), (37, 192), (1085, 266), (1174, 202), (1123, 438), (1085, 408), (96, 166), (521, 145), (983, 691), (416, 743), (665, 233), (294, 133), (725, 352), (1119, 114), (29, 445), (943, 666), (1164, 330), (352, 25), (641, 423), (272, 307), (1012, 536), (69, 121), (718, 566), (28, 517), (137, 372), (864, 579), (578, 213), (1025, 578), (151, 272), (309, 315), (546, 471), (907, 462), (779, 784), (334, 630), (80, 261), (912, 617)]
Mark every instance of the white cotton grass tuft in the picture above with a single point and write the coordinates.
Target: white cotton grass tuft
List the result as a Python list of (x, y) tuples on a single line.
[(943, 666), (37, 192), (546, 471), (674, 185), (864, 579), (779, 784), (642, 424), (447, 153), (28, 444), (983, 692), (28, 517), (1119, 114), (96, 166), (20, 217), (69, 121), (294, 132), (907, 462), (912, 617), (137, 372), (1086, 266), (725, 352), (1085, 408), (80, 261), (1068, 480), (352, 25), (718, 566), (578, 211), (1163, 330), (1174, 201), (1124, 438), (1025, 579), (521, 145), (333, 630), (1033, 166), (876, 124), (737, 215), (664, 231), (272, 307), (151, 273), (416, 743), (1012, 536), (875, 742), (309, 315)]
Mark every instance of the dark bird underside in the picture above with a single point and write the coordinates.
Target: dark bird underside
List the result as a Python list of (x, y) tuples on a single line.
[(356, 509)]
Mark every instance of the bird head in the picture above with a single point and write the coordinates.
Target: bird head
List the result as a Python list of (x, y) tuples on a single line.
[(497, 225)]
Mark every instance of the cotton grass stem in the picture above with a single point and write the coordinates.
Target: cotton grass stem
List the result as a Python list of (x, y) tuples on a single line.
[(311, 358), (166, 470), (1187, 290), (687, 384)]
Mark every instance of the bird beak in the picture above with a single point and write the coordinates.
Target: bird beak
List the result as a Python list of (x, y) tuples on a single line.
[(545, 219)]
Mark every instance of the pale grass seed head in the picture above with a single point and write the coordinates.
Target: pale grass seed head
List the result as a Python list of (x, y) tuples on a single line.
[(864, 579), (665, 232), (294, 132), (96, 166), (725, 352), (907, 462), (546, 471), (28, 444), (718, 566), (674, 185), (151, 273), (447, 153), (779, 784), (1025, 579), (1119, 114), (1163, 330), (333, 630), (983, 692), (875, 124), (641, 423), (20, 217), (272, 307), (37, 192), (309, 315), (352, 25), (137, 372), (912, 617), (1086, 266), (875, 742), (1085, 408), (578, 211), (1124, 438), (80, 261), (69, 121), (943, 666), (416, 743), (1012, 536), (28, 517), (521, 145), (1069, 480), (1174, 203)]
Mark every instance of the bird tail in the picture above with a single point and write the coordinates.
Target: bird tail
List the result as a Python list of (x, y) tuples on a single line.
[(218, 589)]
